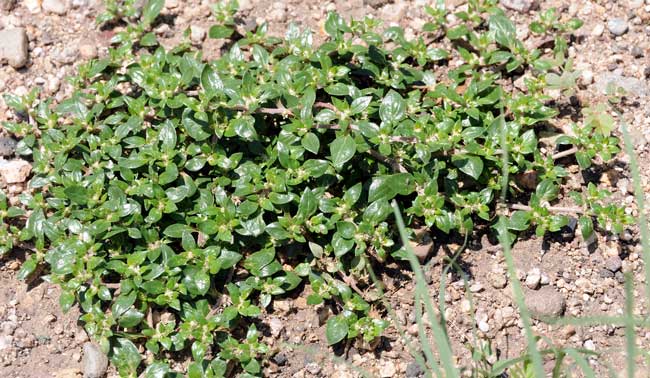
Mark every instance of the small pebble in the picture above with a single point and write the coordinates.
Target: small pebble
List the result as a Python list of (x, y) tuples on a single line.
[(15, 171), (87, 50), (475, 288), (276, 326), (617, 26), (598, 30), (6, 342), (637, 52), (465, 305), (587, 77), (14, 47), (545, 302), (7, 5), (414, 370), (7, 146), (313, 368), (533, 278), (613, 264), (522, 6), (388, 369), (280, 359), (197, 34), (94, 362), (59, 7)]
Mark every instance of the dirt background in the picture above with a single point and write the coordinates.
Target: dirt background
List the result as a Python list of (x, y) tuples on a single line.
[(561, 274)]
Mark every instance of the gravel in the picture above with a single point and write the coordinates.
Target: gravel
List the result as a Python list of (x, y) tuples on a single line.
[(87, 49), (631, 85), (388, 369), (13, 47), (533, 278), (6, 342), (276, 325), (617, 26), (598, 30), (15, 171), (520, 5), (423, 246), (280, 359), (414, 370), (498, 280), (545, 302), (59, 7), (197, 34), (313, 368), (613, 264), (94, 361), (637, 52), (7, 5), (7, 146)]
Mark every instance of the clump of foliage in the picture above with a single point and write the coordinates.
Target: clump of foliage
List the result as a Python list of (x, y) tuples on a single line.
[(173, 198)]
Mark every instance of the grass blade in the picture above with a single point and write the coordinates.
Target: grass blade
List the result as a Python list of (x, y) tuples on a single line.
[(582, 363), (536, 358), (420, 286), (640, 201), (630, 335), (407, 341)]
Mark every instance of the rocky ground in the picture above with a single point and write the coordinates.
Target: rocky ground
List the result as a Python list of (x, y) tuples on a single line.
[(41, 42)]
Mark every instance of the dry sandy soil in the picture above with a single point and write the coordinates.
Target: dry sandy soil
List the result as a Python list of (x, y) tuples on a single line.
[(563, 273)]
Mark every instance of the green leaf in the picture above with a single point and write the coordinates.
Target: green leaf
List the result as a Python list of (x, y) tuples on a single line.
[(503, 29), (470, 165), (308, 204), (220, 31), (167, 136), (392, 108), (386, 187), (149, 39), (547, 190), (360, 104), (519, 221), (584, 161), (311, 143), (125, 354), (245, 128), (537, 27), (586, 226), (377, 212), (334, 24), (196, 281), (435, 53), (336, 329), (211, 82), (457, 32), (252, 227), (157, 370), (176, 230), (28, 267), (342, 149), (130, 318), (77, 194), (151, 10)]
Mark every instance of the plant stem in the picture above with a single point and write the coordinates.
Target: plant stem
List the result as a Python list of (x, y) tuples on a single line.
[(553, 209), (566, 153)]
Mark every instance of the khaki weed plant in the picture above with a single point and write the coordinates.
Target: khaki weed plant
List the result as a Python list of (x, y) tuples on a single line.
[(173, 198)]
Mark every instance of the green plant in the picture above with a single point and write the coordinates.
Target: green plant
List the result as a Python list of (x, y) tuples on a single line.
[(202, 190), (549, 21)]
